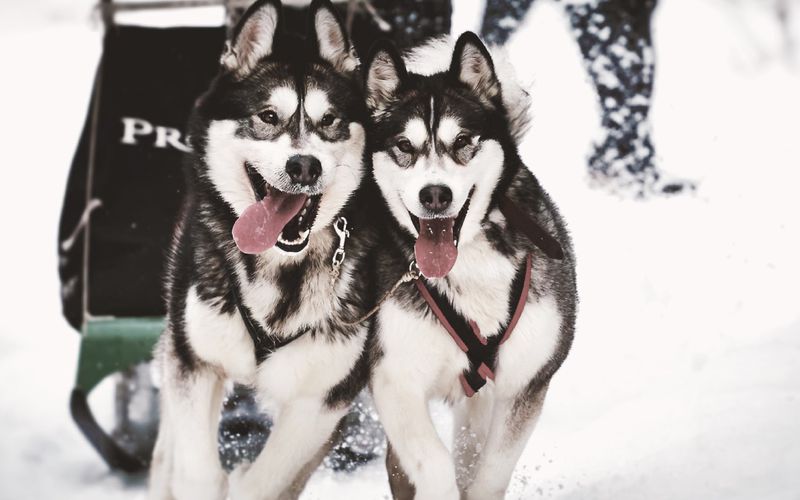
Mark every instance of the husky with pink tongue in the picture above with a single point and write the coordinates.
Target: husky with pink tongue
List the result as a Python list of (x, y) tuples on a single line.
[(267, 274), (490, 316)]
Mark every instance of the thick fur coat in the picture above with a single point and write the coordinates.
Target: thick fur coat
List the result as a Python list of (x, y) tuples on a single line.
[(284, 120), (448, 127)]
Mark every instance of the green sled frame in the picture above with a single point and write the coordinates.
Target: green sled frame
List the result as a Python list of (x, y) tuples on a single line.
[(109, 346)]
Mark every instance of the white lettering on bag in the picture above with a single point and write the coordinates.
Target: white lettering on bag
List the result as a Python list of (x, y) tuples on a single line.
[(165, 137)]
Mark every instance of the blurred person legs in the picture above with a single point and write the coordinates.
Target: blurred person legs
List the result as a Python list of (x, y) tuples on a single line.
[(615, 40)]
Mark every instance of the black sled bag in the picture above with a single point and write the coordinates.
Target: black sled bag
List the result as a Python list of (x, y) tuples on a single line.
[(124, 189), (125, 184)]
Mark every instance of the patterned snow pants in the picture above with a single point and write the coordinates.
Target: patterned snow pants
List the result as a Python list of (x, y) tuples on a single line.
[(615, 40)]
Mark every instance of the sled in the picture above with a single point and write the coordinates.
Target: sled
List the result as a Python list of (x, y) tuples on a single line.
[(123, 195)]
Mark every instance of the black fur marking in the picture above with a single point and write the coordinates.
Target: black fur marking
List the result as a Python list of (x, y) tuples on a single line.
[(348, 388), (498, 238), (180, 269), (290, 282), (317, 76), (211, 277), (452, 99)]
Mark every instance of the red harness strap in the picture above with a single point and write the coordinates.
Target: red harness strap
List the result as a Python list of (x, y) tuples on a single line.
[(481, 352), (521, 301), (521, 221)]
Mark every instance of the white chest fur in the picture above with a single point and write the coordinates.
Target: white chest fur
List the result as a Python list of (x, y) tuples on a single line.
[(308, 367), (417, 352), (420, 350), (479, 285), (220, 339)]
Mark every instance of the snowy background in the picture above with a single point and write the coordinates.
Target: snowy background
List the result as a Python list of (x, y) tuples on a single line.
[(684, 380)]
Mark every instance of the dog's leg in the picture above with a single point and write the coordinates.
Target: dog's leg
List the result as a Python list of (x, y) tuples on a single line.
[(513, 420), (399, 484), (301, 428), (186, 464), (471, 421), (299, 483), (408, 425), (163, 457)]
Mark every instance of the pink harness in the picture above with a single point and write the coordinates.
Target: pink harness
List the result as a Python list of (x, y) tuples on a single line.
[(481, 352)]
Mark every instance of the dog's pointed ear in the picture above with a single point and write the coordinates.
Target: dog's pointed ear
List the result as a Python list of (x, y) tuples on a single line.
[(253, 37), (472, 65), (333, 45), (384, 74)]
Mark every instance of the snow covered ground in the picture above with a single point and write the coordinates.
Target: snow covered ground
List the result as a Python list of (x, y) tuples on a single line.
[(684, 380)]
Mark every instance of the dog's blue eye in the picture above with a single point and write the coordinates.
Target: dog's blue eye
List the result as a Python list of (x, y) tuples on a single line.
[(269, 117), (461, 141), (405, 146), (327, 120)]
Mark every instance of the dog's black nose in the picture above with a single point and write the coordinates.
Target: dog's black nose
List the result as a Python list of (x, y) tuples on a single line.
[(436, 198), (304, 169)]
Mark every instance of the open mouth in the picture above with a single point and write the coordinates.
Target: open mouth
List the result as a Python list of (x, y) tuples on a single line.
[(436, 249), (276, 218)]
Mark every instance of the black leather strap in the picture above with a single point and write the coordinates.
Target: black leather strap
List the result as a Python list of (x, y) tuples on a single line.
[(525, 223), (113, 454), (481, 351), (263, 343)]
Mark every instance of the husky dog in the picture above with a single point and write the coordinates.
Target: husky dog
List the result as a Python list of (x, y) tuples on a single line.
[(492, 316), (258, 290)]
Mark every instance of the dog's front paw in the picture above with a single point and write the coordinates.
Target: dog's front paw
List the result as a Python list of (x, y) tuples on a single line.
[(441, 486), (237, 484), (243, 485), (437, 492), (484, 491), (212, 486)]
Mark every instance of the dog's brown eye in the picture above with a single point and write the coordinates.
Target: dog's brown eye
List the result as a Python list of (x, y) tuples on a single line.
[(327, 120), (405, 146), (461, 141), (269, 117)]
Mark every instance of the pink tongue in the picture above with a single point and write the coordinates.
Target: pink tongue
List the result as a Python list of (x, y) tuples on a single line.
[(259, 226), (435, 250)]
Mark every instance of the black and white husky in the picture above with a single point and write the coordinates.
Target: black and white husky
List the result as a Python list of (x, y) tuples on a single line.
[(492, 317), (258, 292)]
